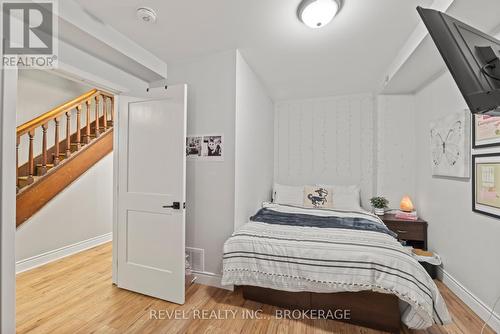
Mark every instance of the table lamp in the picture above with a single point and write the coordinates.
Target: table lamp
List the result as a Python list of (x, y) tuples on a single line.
[(406, 205)]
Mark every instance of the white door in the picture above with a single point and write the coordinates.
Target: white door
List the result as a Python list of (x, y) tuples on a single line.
[(151, 193)]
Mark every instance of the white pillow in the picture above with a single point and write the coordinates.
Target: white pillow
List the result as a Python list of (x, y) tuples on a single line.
[(346, 197), (288, 195), (318, 197)]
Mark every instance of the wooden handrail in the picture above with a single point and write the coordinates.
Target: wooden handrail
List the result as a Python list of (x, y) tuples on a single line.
[(58, 111), (36, 167)]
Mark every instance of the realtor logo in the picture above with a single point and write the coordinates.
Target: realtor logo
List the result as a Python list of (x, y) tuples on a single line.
[(29, 34)]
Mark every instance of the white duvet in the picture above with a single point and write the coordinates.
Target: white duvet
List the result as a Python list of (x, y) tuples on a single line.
[(296, 258)]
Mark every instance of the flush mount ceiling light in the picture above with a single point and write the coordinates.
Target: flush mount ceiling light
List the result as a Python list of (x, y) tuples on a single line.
[(146, 15), (318, 13)]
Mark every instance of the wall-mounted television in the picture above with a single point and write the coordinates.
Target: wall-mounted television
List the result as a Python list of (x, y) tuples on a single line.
[(472, 57)]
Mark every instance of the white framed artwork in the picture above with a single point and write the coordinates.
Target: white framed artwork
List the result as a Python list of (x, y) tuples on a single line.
[(205, 147), (450, 145)]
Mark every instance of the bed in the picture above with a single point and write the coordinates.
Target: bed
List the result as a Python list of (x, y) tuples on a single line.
[(321, 258)]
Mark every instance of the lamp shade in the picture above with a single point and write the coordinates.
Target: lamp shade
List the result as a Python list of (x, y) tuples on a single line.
[(406, 205)]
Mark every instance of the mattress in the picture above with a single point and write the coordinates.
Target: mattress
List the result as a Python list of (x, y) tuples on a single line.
[(325, 251)]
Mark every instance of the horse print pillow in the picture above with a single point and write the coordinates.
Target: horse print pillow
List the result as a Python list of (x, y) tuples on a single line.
[(318, 197)]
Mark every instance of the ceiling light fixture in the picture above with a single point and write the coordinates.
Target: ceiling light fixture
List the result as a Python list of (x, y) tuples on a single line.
[(146, 15), (318, 13)]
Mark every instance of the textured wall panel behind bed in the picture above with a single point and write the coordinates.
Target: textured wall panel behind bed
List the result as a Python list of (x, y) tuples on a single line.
[(328, 140)]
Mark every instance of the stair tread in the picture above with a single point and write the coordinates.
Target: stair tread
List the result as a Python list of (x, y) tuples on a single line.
[(22, 181)]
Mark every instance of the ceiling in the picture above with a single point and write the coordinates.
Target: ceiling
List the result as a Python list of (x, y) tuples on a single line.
[(425, 64), (350, 55)]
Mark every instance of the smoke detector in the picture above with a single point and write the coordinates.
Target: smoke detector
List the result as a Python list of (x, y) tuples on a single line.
[(146, 15)]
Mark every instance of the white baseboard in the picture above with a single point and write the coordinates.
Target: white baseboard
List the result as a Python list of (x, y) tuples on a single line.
[(56, 254), (211, 279), (469, 299)]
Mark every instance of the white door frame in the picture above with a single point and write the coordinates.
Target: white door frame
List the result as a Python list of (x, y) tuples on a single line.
[(8, 98)]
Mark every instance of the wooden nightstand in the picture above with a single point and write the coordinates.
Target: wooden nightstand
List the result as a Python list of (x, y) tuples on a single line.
[(414, 232)]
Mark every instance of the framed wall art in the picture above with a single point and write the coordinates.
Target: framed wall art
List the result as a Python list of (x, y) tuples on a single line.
[(485, 131), (450, 145), (205, 147), (486, 184)]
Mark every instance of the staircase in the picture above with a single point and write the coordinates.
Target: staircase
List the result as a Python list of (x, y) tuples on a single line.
[(79, 147)]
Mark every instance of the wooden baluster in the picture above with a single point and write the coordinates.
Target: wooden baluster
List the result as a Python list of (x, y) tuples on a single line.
[(87, 128), (18, 141), (31, 135), (112, 99), (44, 149), (97, 131), (68, 134), (78, 127), (56, 160), (105, 112)]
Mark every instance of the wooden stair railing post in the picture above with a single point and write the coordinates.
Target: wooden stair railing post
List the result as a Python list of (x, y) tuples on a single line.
[(97, 131), (44, 149), (78, 127), (55, 161), (105, 112), (87, 128), (18, 141), (112, 100), (31, 135), (68, 134)]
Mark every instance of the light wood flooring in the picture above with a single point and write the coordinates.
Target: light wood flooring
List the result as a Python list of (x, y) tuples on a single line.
[(75, 295)]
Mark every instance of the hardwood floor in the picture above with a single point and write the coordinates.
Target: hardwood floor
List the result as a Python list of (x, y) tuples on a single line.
[(75, 295)]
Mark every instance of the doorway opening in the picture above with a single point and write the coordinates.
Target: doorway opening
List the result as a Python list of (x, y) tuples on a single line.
[(64, 187)]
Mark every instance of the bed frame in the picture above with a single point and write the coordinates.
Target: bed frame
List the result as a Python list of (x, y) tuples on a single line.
[(369, 309)]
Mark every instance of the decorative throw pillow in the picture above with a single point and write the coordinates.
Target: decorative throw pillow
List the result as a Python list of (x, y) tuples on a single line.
[(318, 197)]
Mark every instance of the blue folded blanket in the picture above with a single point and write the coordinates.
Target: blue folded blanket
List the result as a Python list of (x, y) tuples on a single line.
[(298, 219)]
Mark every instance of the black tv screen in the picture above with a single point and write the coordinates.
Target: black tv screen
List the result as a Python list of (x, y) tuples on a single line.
[(472, 58)]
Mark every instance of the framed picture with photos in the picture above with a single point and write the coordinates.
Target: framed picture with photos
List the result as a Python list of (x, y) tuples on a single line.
[(485, 131), (486, 184), (205, 147)]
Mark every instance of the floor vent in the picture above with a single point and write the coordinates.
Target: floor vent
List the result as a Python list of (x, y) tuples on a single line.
[(196, 257)]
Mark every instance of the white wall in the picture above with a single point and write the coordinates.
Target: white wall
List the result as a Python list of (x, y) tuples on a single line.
[(38, 92), (329, 140), (81, 211), (469, 243), (396, 156), (254, 156), (210, 185)]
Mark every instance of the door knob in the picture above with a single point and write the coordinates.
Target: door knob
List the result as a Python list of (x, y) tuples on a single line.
[(175, 206)]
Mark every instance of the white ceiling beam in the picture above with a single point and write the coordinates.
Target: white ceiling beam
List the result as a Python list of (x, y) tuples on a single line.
[(413, 42), (72, 12)]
